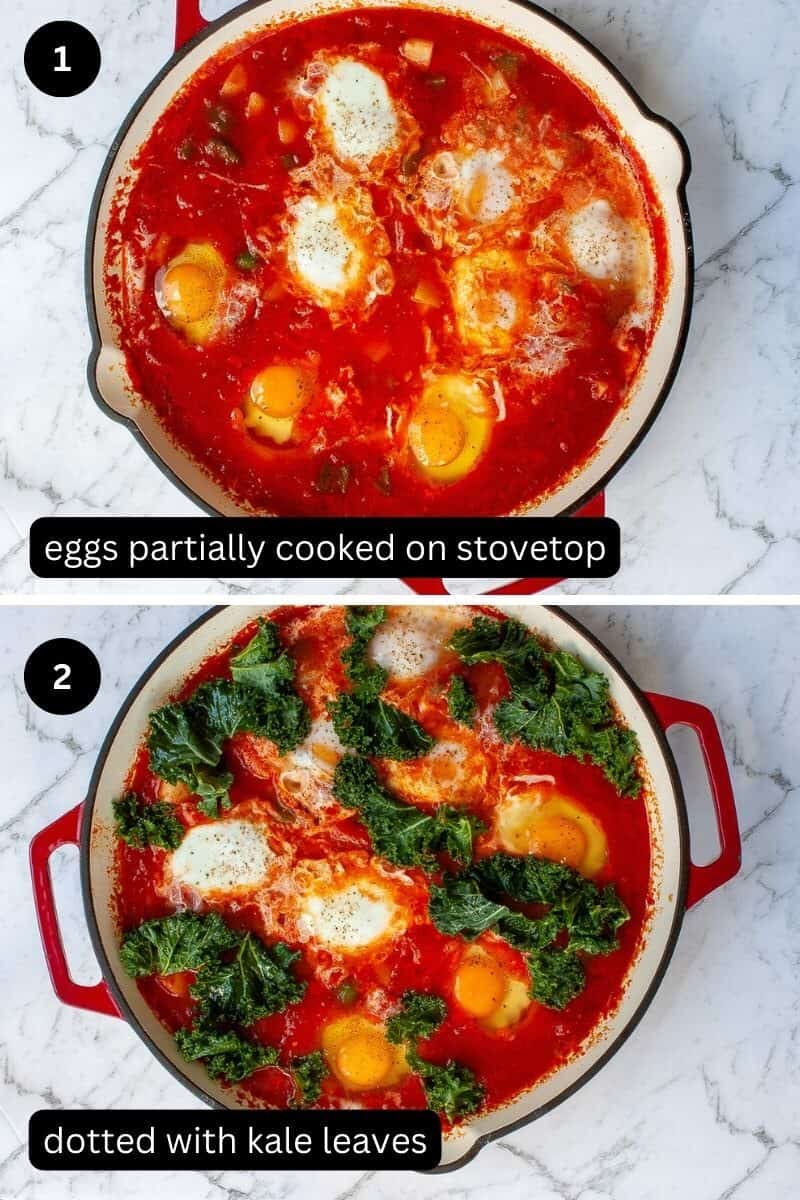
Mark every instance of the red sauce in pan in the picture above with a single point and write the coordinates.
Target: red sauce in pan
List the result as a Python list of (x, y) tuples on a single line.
[(504, 233), (507, 1060)]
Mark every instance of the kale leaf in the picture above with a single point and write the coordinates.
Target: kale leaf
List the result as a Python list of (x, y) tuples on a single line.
[(225, 1053), (362, 720), (450, 1088), (362, 622), (255, 983), (265, 673), (581, 915), (421, 1014), (186, 740), (184, 941), (591, 915), (141, 825), (556, 702), (309, 1072), (402, 833), (529, 879), (460, 701), (372, 726), (490, 640), (557, 976), (458, 906), (179, 745), (529, 933)]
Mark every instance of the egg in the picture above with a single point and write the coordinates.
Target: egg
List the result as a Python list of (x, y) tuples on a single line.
[(352, 104), (360, 1055), (450, 427), (483, 187), (602, 245), (223, 856), (189, 291), (468, 192), (335, 249), (544, 822), (276, 395), (411, 640), (320, 750), (453, 772), (349, 911), (487, 990), (490, 298)]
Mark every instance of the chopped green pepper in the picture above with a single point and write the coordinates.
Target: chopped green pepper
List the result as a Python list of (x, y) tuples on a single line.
[(220, 118), (246, 261), (223, 150)]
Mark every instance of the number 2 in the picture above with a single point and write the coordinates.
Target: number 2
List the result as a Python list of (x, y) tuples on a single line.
[(61, 55), (63, 672)]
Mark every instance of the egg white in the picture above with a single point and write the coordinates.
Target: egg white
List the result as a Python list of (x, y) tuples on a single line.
[(357, 112), (485, 171), (222, 856), (602, 245), (321, 255), (348, 916), (411, 640), (316, 751)]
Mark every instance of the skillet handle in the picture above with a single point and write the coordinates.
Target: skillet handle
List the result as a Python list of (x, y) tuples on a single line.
[(671, 711), (64, 831), (596, 507), (188, 21)]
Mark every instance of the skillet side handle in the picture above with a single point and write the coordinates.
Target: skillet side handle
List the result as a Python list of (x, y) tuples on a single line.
[(188, 21), (703, 880), (64, 831)]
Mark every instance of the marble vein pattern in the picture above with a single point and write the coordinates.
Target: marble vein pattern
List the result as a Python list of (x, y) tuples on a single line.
[(713, 489), (703, 1100)]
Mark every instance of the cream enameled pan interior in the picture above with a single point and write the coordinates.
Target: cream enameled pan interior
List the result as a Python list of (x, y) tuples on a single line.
[(657, 146), (665, 823)]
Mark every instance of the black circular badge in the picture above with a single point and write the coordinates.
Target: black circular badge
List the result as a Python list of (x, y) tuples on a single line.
[(62, 676), (62, 58)]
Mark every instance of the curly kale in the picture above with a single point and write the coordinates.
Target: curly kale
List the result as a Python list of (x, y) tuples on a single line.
[(556, 702), (186, 740), (404, 834), (420, 1016), (225, 1053), (184, 941), (363, 721), (460, 701), (141, 825)]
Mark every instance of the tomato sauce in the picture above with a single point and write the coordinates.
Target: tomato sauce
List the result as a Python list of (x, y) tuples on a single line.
[(506, 1061), (551, 343)]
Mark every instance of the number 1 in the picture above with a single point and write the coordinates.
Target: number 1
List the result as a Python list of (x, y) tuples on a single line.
[(61, 55)]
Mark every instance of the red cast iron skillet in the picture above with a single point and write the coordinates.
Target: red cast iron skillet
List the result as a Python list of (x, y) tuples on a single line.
[(677, 883), (657, 140)]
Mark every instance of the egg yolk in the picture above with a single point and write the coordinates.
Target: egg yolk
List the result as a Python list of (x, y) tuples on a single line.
[(557, 838), (439, 438), (445, 769), (451, 426), (547, 824), (280, 391), (364, 1059), (189, 292), (480, 986)]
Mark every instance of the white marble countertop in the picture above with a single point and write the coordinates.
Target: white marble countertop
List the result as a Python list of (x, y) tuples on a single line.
[(703, 1101), (712, 492)]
